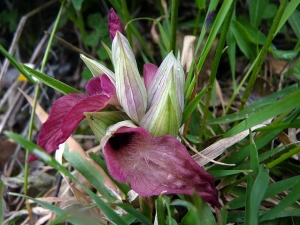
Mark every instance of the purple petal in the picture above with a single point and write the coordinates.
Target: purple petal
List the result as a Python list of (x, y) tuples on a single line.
[(102, 85), (65, 116), (114, 24), (156, 165), (149, 73)]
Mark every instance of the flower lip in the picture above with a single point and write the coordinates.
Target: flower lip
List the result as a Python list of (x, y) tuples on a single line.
[(155, 165)]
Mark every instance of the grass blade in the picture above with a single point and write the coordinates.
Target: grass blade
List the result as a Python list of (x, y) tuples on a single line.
[(51, 82)]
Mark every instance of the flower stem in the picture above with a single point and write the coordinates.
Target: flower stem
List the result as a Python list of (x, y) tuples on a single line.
[(212, 77), (37, 89), (263, 53), (173, 28)]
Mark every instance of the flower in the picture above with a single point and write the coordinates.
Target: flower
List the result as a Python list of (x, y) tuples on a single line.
[(139, 141)]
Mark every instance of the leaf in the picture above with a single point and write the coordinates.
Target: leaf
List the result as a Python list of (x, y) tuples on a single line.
[(33, 148), (77, 4), (91, 171), (293, 4), (160, 210), (256, 11), (139, 216), (223, 173), (243, 39), (294, 21), (272, 190), (256, 196), (293, 195), (73, 217), (192, 105), (51, 82), (17, 65), (285, 104)]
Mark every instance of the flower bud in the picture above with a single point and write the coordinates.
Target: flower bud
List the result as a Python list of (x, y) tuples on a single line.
[(165, 99), (131, 91)]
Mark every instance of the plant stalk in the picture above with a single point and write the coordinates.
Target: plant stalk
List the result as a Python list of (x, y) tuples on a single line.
[(212, 78), (173, 27), (37, 89), (263, 53)]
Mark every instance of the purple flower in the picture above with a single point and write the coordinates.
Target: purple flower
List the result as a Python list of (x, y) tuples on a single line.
[(114, 24), (139, 141)]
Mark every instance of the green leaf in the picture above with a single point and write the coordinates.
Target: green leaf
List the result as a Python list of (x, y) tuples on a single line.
[(40, 153), (286, 55), (88, 170), (94, 20), (294, 21), (160, 211), (87, 74), (256, 196), (17, 65), (256, 10), (240, 156), (293, 4), (237, 115), (139, 216), (76, 218), (77, 4), (192, 105), (270, 11), (285, 104), (51, 82), (272, 190), (293, 195), (256, 36), (231, 43), (201, 4), (243, 39), (223, 173)]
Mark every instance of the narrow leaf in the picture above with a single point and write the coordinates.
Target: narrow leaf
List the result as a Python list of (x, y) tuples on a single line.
[(51, 82)]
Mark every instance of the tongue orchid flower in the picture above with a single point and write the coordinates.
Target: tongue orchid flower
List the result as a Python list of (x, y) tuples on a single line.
[(138, 138)]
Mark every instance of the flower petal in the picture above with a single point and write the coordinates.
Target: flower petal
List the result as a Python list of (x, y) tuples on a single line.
[(66, 114), (165, 99), (169, 67), (114, 24), (156, 165), (102, 85), (98, 69), (131, 90), (149, 73)]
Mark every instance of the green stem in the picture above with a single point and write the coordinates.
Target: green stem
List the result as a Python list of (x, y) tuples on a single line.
[(283, 157), (173, 28), (197, 22), (127, 19), (212, 77), (37, 88), (263, 53)]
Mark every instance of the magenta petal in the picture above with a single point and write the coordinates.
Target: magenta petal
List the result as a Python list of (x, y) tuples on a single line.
[(156, 165), (114, 24), (149, 73), (66, 114), (102, 85)]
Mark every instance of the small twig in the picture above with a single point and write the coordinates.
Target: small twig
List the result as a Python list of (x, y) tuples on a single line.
[(69, 45)]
